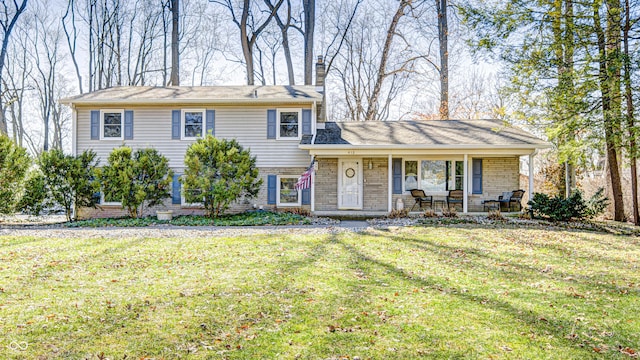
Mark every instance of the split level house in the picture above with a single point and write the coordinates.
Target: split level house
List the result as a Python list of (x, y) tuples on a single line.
[(359, 166)]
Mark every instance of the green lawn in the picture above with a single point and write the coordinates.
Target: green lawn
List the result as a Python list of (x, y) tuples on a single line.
[(420, 292)]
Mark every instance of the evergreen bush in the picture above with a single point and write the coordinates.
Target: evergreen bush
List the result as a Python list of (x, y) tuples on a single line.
[(14, 163), (574, 207), (69, 180), (136, 179), (218, 172)]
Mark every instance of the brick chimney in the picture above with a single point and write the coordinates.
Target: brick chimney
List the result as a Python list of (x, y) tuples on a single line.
[(320, 72), (320, 75)]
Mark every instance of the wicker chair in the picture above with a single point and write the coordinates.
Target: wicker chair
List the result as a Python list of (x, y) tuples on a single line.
[(455, 197), (511, 200), (421, 198)]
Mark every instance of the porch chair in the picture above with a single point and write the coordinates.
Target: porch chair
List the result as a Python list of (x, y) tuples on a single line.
[(455, 197), (421, 198), (509, 198)]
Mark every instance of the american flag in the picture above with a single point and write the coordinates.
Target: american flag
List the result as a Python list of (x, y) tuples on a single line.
[(304, 181)]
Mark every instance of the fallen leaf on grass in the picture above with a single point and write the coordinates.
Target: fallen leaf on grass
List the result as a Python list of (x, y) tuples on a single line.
[(629, 351)]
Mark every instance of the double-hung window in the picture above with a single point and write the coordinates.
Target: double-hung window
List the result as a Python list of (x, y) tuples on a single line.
[(112, 124), (287, 194), (192, 123), (288, 124)]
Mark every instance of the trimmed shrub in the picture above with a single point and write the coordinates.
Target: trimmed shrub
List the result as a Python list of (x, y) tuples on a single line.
[(218, 172), (14, 163), (69, 180), (35, 199), (574, 207), (136, 179)]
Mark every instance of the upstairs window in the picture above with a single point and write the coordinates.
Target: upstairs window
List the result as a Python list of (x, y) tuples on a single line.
[(111, 124), (192, 123), (288, 126)]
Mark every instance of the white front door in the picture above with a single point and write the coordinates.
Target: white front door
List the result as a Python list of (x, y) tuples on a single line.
[(350, 184)]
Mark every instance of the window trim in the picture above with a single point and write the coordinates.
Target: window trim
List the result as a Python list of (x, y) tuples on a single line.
[(111, 111), (278, 184), (281, 110), (183, 123)]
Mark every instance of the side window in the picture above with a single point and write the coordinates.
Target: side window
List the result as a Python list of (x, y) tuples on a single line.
[(288, 124), (112, 124), (192, 123)]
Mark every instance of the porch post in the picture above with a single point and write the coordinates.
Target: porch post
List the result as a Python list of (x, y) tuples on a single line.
[(531, 189), (390, 184), (465, 186), (313, 189)]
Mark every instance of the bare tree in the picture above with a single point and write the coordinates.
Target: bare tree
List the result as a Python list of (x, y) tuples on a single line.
[(45, 42), (309, 7), (8, 18), (72, 38), (443, 38), (175, 43), (383, 73), (250, 29), (284, 31)]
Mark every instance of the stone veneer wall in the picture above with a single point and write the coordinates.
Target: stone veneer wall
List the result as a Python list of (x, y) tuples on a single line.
[(326, 187), (236, 207), (376, 184)]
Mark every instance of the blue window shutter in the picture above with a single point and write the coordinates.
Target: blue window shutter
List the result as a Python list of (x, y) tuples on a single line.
[(175, 193), (306, 122), (306, 196), (175, 124), (397, 176), (211, 122), (128, 125), (272, 181), (271, 124), (95, 125), (477, 176)]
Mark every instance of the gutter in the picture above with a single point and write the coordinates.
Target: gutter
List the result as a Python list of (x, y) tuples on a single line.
[(421, 147), (154, 102)]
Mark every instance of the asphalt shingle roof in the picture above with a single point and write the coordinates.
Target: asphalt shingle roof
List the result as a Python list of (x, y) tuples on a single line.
[(424, 133), (197, 94)]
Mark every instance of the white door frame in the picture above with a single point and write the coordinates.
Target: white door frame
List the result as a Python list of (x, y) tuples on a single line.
[(360, 184)]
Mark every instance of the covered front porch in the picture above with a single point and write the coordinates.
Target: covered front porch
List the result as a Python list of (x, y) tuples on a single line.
[(373, 166), (375, 184)]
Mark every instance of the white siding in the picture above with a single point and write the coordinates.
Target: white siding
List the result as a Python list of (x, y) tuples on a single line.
[(152, 128)]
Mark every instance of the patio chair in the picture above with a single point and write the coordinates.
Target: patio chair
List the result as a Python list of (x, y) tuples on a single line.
[(511, 200), (421, 198), (455, 197)]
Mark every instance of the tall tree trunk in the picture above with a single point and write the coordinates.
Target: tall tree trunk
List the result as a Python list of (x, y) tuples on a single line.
[(609, 55), (286, 48), (175, 48), (247, 48), (309, 26), (633, 150), (72, 40), (443, 36), (7, 27), (372, 108)]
